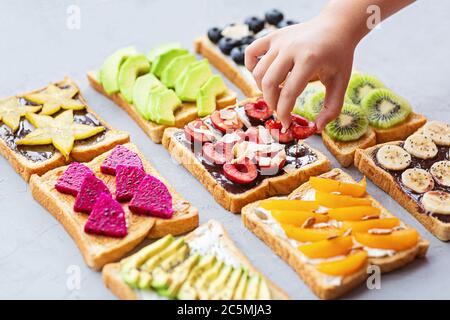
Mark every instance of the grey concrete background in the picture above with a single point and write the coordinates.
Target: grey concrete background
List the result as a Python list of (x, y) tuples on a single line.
[(409, 53)]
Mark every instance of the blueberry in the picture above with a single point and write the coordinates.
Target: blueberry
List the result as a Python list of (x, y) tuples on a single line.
[(238, 53), (286, 23), (255, 24), (247, 39), (226, 44), (214, 34), (274, 16)]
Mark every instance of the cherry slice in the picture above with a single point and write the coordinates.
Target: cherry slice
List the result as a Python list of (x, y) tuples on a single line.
[(258, 110), (197, 131), (274, 127), (242, 173), (217, 153), (301, 128), (226, 125)]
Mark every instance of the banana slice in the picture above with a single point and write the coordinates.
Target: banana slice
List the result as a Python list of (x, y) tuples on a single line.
[(441, 172), (437, 202), (439, 132), (418, 180), (421, 146), (393, 157)]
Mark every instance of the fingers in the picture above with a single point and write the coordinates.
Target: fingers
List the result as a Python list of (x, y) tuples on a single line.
[(254, 51), (334, 97), (261, 67)]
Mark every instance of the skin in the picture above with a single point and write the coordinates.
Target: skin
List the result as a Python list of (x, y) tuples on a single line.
[(284, 61)]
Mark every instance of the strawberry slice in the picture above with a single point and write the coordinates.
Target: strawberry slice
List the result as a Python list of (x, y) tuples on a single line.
[(217, 153), (301, 128), (198, 131), (275, 129), (243, 173), (258, 110), (226, 120)]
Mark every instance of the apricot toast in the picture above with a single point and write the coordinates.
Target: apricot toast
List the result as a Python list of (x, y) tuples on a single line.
[(106, 227), (241, 155), (415, 172), (205, 264), (168, 87), (329, 231), (49, 127)]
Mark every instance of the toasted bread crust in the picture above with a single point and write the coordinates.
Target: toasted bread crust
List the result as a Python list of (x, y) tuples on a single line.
[(98, 250), (186, 113), (308, 273), (118, 287), (365, 164), (402, 130), (80, 152)]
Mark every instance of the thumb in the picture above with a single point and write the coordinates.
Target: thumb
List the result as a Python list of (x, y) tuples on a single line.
[(334, 98)]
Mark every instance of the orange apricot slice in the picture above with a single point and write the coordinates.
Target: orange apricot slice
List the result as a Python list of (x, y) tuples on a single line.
[(309, 234), (397, 240), (285, 204), (364, 226), (327, 248), (330, 200), (297, 217), (353, 213), (346, 266), (345, 188)]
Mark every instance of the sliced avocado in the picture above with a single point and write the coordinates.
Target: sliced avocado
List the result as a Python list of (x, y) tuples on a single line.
[(192, 79), (165, 105), (187, 290), (230, 287), (174, 69), (132, 68), (155, 52), (150, 113), (253, 287), (144, 84), (179, 276), (154, 261), (161, 61), (264, 291), (131, 277), (241, 288), (219, 283), (161, 273), (145, 279), (206, 99), (206, 278), (109, 72)]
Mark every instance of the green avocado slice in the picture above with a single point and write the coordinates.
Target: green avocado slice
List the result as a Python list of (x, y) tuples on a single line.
[(253, 287), (161, 61), (206, 99), (144, 84), (174, 69), (239, 293), (156, 51), (166, 103), (132, 68), (192, 79), (150, 113), (109, 72)]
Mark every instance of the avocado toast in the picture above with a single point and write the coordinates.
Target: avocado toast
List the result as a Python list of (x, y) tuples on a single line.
[(205, 264), (168, 87)]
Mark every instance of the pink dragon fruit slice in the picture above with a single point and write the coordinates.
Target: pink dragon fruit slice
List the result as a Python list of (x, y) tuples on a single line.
[(107, 218), (120, 155), (91, 188), (71, 180), (128, 179), (152, 199)]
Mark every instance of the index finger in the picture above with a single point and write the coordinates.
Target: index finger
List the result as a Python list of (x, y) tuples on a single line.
[(254, 51)]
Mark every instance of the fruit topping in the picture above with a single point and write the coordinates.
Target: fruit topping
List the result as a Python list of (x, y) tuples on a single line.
[(255, 24), (152, 198), (297, 217), (273, 16), (272, 204), (227, 44), (226, 120), (301, 128), (217, 153), (437, 202), (310, 234), (61, 131), (214, 34), (441, 172), (198, 131), (236, 31), (314, 104), (396, 240), (327, 248), (107, 218), (350, 125), (345, 188), (11, 111), (91, 188), (271, 164), (365, 226), (206, 99), (331, 200), (343, 267), (128, 179), (120, 155), (258, 110), (420, 146), (286, 23), (438, 131), (393, 157), (243, 172), (238, 54), (354, 213), (248, 40), (54, 99), (277, 132), (71, 180), (360, 85), (418, 180), (133, 67), (109, 71)]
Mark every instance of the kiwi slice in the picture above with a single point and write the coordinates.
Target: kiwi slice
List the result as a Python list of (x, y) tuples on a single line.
[(385, 109), (360, 85), (350, 125), (313, 105)]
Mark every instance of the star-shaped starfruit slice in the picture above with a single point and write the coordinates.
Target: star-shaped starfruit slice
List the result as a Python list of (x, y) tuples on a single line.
[(61, 131), (54, 98), (11, 111)]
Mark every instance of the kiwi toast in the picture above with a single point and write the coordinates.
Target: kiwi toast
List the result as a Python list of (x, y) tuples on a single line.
[(207, 248), (38, 159), (320, 271), (98, 250)]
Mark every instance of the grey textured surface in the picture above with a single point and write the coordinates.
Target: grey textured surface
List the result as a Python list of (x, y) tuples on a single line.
[(409, 53)]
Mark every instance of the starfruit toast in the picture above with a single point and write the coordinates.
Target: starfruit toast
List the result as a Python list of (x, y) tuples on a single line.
[(331, 253), (50, 127), (213, 268)]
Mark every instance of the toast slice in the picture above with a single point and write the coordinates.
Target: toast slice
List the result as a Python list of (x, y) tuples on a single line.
[(99, 250), (113, 280), (186, 113), (365, 163), (323, 286), (50, 158), (401, 131), (227, 66)]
